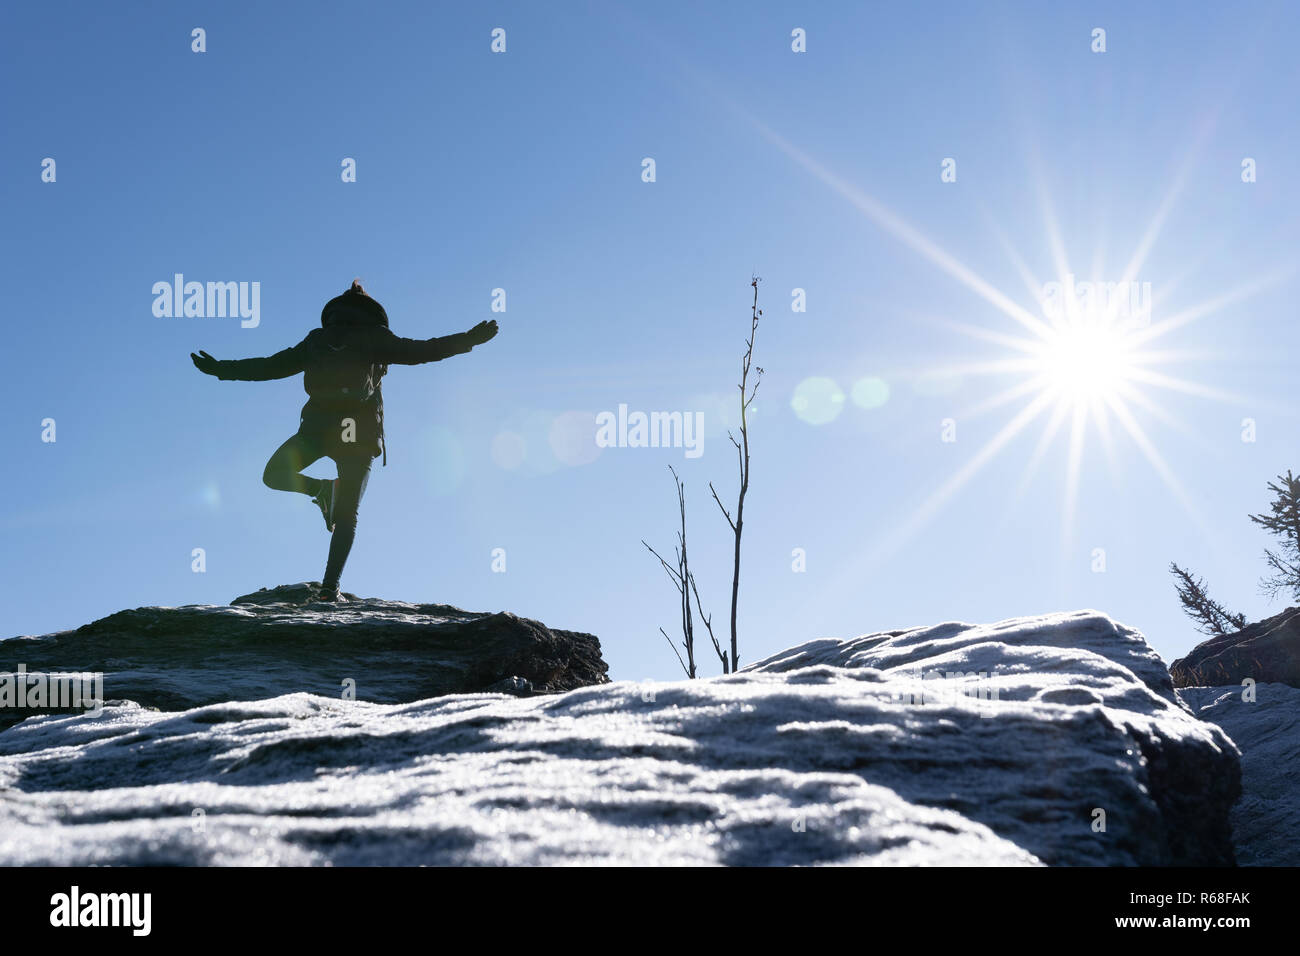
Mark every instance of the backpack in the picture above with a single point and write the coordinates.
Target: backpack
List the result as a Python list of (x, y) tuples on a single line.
[(361, 311)]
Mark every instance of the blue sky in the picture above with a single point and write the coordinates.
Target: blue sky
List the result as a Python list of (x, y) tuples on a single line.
[(523, 171)]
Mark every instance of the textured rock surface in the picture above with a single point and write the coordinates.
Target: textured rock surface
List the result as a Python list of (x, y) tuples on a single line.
[(834, 752), (271, 643), (1266, 820), (1086, 717), (1267, 651)]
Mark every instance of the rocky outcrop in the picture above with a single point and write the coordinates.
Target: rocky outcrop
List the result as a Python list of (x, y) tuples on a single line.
[(277, 641), (1268, 651), (1264, 722), (1077, 708), (1056, 739)]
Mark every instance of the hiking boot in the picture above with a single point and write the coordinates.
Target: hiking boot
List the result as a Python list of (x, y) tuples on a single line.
[(325, 501), (328, 595)]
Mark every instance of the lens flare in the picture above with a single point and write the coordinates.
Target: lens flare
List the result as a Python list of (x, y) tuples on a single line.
[(870, 392), (509, 449), (818, 400)]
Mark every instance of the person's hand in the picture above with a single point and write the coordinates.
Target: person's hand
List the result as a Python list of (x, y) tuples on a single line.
[(205, 363), (483, 332)]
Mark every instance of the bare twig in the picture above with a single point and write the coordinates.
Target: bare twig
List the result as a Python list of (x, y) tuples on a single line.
[(708, 626), (672, 572), (675, 651), (680, 576), (725, 513)]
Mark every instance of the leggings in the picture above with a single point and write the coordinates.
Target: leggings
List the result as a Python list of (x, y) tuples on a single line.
[(284, 473)]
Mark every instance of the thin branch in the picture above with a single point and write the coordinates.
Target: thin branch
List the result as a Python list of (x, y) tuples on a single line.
[(708, 626), (672, 572), (725, 513), (680, 576), (675, 651), (742, 463)]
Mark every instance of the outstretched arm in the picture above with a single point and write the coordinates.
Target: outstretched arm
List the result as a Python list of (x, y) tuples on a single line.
[(395, 350), (282, 364)]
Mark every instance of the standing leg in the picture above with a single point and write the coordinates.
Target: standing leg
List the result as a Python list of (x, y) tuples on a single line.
[(283, 471), (354, 472)]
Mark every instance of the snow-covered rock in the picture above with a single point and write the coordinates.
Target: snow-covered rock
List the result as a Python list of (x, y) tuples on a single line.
[(1266, 820), (1076, 707), (834, 752)]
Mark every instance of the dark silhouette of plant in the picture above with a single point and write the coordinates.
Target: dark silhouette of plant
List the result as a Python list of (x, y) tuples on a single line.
[(680, 573), (1282, 520), (684, 580), (742, 454), (1210, 616)]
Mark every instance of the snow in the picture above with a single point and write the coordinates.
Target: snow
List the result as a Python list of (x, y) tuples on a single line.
[(834, 752)]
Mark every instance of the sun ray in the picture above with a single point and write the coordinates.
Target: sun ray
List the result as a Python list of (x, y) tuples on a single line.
[(922, 515), (865, 203), (989, 335), (1190, 155), (1194, 266), (1078, 430), (1153, 229), (1099, 255), (1143, 357), (1040, 448), (1033, 285), (1006, 396), (986, 367), (1102, 419), (906, 233), (1210, 306), (1156, 461), (1175, 384), (1163, 416), (1060, 261)]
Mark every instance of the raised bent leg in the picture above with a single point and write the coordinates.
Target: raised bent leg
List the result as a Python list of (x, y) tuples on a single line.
[(284, 470)]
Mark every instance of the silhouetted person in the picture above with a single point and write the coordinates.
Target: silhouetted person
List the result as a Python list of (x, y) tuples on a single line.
[(343, 362)]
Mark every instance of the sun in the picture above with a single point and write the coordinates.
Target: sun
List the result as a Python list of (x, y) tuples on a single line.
[(1087, 360)]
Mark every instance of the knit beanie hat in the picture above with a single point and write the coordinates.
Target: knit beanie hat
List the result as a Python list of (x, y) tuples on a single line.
[(355, 300)]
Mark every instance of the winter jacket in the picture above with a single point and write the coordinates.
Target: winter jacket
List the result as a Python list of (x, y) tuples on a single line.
[(342, 367)]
